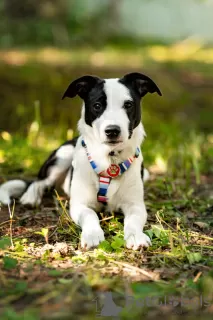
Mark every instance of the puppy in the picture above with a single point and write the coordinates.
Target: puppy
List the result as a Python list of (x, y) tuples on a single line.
[(103, 167)]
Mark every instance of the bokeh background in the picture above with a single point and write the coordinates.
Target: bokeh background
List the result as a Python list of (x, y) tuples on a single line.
[(45, 44)]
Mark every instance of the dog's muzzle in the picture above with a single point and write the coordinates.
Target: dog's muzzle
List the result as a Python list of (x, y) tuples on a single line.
[(112, 132)]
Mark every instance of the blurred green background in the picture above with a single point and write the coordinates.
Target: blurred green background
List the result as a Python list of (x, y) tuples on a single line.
[(45, 44)]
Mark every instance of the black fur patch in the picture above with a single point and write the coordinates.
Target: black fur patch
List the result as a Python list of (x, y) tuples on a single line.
[(96, 95), (139, 85), (142, 171)]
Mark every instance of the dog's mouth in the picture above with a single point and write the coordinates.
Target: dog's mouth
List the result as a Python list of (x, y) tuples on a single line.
[(113, 142)]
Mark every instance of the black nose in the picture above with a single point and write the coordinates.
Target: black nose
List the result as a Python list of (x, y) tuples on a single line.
[(112, 131)]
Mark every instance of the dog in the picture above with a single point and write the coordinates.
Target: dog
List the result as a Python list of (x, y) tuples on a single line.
[(103, 167)]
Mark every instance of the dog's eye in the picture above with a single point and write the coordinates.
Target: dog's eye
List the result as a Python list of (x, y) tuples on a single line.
[(97, 106), (128, 105)]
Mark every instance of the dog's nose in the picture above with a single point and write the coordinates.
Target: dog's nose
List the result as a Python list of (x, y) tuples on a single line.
[(112, 131)]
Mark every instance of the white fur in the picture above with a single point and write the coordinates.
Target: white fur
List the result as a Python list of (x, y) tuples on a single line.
[(34, 193), (126, 191), (64, 153), (13, 188), (67, 181), (146, 175)]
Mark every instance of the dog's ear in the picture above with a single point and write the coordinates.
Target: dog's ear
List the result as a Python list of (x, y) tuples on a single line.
[(81, 86), (141, 83)]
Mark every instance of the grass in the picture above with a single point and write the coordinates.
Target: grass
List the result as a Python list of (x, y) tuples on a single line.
[(43, 272)]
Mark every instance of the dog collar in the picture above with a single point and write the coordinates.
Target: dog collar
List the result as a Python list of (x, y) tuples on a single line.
[(113, 171)]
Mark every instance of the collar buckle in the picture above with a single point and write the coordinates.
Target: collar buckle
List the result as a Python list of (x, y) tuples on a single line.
[(113, 170)]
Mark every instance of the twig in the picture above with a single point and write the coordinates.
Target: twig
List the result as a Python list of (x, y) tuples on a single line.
[(160, 220), (1, 224), (145, 273), (200, 236), (107, 218), (197, 276), (11, 213), (200, 246)]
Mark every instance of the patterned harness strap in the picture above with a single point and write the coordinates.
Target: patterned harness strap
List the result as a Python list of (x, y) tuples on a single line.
[(112, 172)]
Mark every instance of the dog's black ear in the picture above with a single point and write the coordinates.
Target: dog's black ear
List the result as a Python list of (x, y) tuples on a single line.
[(141, 83), (81, 86)]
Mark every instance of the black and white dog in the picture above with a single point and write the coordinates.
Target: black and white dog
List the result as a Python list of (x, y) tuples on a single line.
[(102, 167)]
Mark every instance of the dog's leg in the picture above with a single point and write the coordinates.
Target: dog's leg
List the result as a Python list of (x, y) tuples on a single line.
[(52, 170), (67, 182), (34, 193), (135, 216), (87, 219)]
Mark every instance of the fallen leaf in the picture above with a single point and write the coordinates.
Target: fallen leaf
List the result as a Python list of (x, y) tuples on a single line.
[(201, 224)]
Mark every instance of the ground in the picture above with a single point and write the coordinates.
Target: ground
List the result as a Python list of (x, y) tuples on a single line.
[(44, 274)]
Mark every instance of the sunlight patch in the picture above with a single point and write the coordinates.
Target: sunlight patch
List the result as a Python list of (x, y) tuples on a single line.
[(2, 158), (160, 165), (6, 136)]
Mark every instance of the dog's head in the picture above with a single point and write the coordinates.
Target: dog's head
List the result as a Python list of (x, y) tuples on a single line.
[(112, 106)]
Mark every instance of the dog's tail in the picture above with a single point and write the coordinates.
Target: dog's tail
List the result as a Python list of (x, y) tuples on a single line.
[(12, 189)]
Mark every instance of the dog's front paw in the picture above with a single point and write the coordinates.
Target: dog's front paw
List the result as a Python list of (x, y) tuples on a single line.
[(137, 241), (91, 237)]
